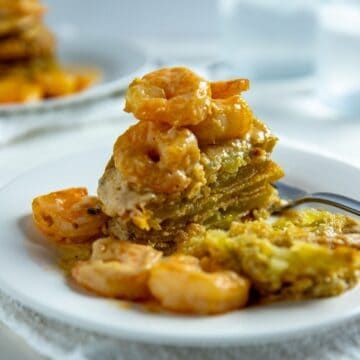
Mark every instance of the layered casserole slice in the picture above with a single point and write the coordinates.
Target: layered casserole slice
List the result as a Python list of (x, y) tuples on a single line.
[(164, 176)]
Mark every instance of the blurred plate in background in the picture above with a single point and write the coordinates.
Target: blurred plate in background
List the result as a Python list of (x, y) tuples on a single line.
[(118, 61)]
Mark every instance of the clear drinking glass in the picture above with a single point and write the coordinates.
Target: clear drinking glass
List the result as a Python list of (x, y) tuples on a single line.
[(338, 56), (268, 39)]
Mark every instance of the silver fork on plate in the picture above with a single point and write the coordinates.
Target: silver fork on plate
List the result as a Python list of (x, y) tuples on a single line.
[(295, 196)]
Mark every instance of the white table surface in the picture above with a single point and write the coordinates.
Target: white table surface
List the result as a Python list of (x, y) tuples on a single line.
[(13, 347), (341, 138)]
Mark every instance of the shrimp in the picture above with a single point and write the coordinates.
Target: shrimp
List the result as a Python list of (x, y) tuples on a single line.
[(69, 216), (159, 157), (230, 118), (225, 89), (180, 284), (117, 269), (175, 96)]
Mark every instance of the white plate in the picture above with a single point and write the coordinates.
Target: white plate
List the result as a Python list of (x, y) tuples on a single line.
[(118, 61), (28, 272)]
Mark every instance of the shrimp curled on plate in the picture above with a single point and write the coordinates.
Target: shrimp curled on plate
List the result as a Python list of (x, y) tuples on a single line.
[(117, 269), (159, 157), (229, 118), (180, 284), (225, 89), (69, 216), (176, 96)]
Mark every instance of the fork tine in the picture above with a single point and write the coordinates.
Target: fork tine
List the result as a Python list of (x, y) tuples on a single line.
[(289, 192)]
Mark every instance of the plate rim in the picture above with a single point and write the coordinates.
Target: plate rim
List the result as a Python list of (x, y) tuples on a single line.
[(142, 336)]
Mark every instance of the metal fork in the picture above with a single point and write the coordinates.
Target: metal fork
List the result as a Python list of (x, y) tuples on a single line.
[(295, 196)]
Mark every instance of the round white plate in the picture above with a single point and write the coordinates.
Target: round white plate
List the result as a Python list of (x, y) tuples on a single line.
[(118, 61), (29, 274)]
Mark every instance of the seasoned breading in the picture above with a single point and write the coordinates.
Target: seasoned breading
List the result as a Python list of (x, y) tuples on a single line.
[(304, 254)]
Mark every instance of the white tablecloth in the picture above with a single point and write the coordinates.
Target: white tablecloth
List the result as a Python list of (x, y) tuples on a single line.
[(59, 341)]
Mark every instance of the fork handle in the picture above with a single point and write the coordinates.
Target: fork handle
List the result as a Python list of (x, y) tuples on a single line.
[(339, 201)]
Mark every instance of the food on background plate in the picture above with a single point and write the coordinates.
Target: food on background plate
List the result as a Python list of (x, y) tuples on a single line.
[(17, 23), (29, 69), (21, 7), (35, 42), (182, 215)]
